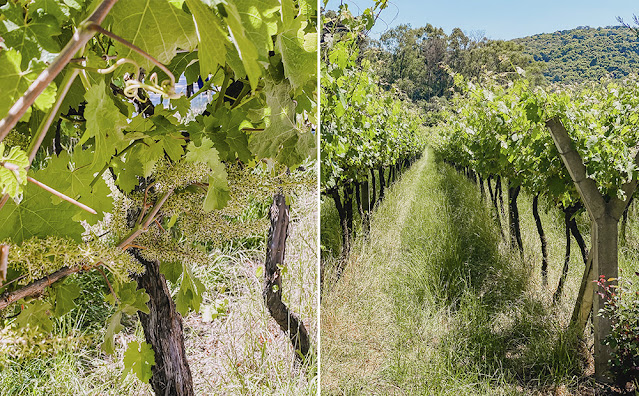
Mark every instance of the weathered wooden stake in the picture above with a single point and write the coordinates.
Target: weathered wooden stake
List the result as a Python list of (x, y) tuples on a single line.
[(605, 213)]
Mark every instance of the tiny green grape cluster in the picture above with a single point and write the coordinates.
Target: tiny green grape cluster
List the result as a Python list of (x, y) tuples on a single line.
[(38, 257), (15, 138), (178, 175), (162, 247)]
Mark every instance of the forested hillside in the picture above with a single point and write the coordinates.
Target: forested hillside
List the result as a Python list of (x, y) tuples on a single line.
[(585, 53)]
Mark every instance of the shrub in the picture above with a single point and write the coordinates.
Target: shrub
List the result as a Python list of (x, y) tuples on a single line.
[(621, 305)]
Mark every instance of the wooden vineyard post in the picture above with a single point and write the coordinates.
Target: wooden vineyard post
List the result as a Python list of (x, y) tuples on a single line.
[(604, 216), (288, 321)]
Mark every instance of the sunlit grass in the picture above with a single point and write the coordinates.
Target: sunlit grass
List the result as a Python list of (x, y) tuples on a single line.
[(434, 302)]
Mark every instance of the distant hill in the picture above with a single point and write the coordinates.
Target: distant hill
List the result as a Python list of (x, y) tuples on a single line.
[(585, 53)]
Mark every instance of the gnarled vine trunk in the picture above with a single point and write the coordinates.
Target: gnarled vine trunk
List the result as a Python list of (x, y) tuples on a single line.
[(513, 219), (163, 331), (542, 238), (275, 253)]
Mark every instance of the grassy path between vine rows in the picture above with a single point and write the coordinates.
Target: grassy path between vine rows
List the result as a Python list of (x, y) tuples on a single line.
[(433, 302)]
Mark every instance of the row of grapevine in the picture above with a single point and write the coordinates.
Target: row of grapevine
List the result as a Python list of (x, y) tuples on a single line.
[(575, 147), (365, 130), (96, 177)]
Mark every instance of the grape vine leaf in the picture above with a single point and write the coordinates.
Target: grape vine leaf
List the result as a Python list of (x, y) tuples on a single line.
[(169, 138), (131, 298), (212, 37), (32, 37), (204, 153), (171, 270), (260, 22), (190, 293), (36, 314), (281, 139), (138, 359), (299, 53), (72, 176), (156, 26), (65, 293), (244, 45), (113, 327), (182, 105), (104, 121), (12, 182), (231, 123), (14, 83), (59, 10), (36, 216), (218, 191)]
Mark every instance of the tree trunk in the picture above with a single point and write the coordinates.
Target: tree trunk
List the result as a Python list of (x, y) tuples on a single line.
[(390, 176), (366, 206), (513, 217), (624, 221), (490, 191), (481, 188), (500, 194), (380, 172), (288, 321), (493, 199), (358, 200), (348, 207), (580, 240), (542, 238), (374, 188), (346, 236), (163, 331), (564, 273)]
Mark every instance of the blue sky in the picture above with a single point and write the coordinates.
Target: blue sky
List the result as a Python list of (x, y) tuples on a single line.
[(499, 19)]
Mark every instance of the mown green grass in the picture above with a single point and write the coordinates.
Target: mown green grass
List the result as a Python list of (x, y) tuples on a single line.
[(434, 303)]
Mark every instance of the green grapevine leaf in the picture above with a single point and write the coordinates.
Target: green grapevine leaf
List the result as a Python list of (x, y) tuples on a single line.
[(138, 359), (169, 138), (213, 39), (57, 9), (156, 26), (243, 43), (171, 270), (72, 177), (260, 22), (204, 153), (298, 53), (113, 327), (13, 181), (65, 293), (182, 105), (104, 121), (280, 138), (31, 37), (190, 293), (231, 123), (37, 216), (14, 82), (36, 314), (131, 298), (218, 193)]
